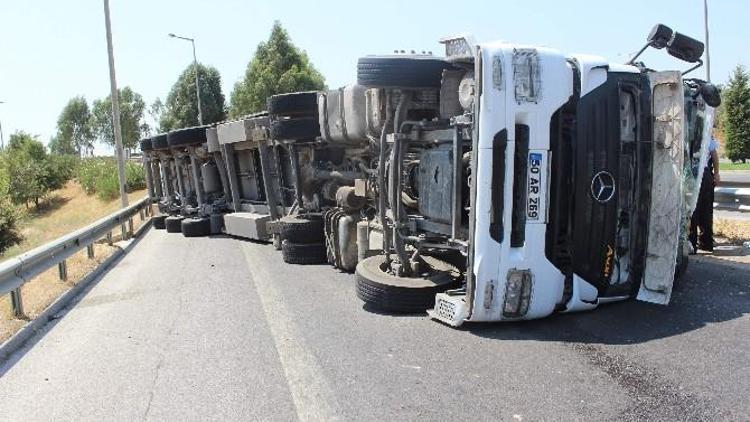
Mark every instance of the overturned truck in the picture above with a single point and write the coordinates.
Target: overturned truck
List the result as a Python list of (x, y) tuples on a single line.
[(508, 182), (500, 182)]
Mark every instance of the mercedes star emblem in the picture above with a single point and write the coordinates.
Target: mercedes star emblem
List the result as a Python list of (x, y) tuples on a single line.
[(603, 187)]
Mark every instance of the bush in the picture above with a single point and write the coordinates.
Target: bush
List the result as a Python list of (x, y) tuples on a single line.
[(59, 169), (99, 176), (134, 176), (9, 231)]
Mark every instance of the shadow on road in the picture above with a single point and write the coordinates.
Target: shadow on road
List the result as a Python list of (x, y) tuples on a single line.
[(712, 291)]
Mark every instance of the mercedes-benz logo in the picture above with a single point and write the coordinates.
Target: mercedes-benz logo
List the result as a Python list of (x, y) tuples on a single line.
[(603, 187)]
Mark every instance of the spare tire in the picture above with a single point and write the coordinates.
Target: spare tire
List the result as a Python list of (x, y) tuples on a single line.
[(387, 292), (159, 142), (173, 223), (302, 229), (294, 104), (196, 227), (188, 136), (295, 129), (303, 253), (158, 222), (401, 71), (146, 145)]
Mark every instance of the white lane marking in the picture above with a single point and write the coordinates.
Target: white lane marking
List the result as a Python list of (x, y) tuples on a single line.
[(312, 396)]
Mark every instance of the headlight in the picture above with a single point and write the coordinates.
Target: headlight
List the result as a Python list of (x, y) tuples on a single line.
[(517, 293)]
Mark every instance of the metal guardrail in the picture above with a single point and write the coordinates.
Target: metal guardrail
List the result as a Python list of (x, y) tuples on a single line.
[(737, 199), (18, 270)]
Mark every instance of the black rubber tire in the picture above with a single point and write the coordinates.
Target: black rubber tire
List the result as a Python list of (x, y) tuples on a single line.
[(159, 142), (158, 222), (294, 104), (187, 136), (301, 229), (303, 253), (146, 144), (173, 223), (295, 129), (196, 227), (401, 71), (387, 292)]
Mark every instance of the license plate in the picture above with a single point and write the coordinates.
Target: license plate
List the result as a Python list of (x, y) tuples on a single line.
[(534, 187)]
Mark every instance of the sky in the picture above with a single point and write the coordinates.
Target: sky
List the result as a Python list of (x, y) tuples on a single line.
[(51, 51)]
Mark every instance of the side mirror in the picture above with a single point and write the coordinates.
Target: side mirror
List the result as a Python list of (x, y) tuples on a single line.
[(711, 95), (660, 36), (685, 48)]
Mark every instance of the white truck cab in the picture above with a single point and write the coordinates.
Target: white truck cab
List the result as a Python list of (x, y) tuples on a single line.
[(579, 197)]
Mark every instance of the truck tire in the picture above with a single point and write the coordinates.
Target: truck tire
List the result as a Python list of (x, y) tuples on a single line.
[(401, 71), (146, 144), (301, 229), (196, 227), (294, 104), (188, 136), (173, 223), (159, 222), (159, 142), (303, 253), (387, 292), (295, 129)]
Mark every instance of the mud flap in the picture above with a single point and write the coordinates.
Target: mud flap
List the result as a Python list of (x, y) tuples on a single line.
[(666, 187)]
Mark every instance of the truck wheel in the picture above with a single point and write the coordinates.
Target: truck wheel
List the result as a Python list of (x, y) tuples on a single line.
[(303, 253), (387, 292), (301, 229), (159, 222), (295, 129), (401, 71), (188, 136), (196, 227), (295, 104), (173, 223)]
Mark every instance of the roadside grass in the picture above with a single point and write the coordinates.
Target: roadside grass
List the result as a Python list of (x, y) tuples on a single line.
[(734, 166), (67, 209), (734, 231), (70, 209)]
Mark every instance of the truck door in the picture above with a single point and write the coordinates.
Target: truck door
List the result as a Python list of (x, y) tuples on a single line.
[(666, 187)]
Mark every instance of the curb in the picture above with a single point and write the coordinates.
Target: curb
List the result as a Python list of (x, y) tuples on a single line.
[(29, 330)]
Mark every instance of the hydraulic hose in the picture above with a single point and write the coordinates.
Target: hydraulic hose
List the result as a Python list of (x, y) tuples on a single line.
[(382, 178), (395, 184)]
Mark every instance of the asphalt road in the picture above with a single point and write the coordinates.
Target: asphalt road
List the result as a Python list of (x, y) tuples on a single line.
[(221, 329)]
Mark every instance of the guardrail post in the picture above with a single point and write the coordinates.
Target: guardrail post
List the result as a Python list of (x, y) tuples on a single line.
[(109, 238), (142, 214), (130, 226), (90, 250), (62, 268), (16, 302), (123, 232)]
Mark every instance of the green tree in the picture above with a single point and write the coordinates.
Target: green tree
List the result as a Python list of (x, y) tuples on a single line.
[(276, 68), (75, 133), (23, 143), (181, 108), (27, 172), (736, 115), (132, 118), (156, 111)]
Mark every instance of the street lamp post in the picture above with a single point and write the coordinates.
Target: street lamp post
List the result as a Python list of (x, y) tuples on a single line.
[(115, 113), (195, 67), (708, 57)]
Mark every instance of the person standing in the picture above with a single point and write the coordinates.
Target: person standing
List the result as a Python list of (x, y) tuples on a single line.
[(703, 216)]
